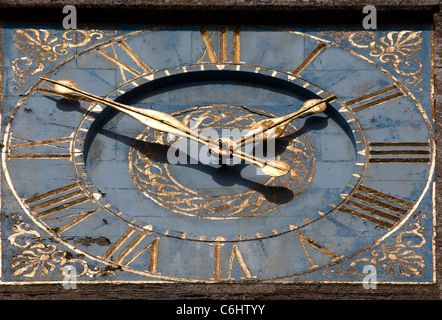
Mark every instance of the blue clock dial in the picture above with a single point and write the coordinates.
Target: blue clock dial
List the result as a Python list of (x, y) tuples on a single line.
[(171, 177), (97, 149)]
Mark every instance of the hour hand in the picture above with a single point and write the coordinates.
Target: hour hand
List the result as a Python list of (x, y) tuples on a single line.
[(273, 128)]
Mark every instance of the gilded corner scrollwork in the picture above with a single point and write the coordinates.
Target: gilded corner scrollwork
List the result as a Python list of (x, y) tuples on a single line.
[(39, 259), (398, 259), (40, 45), (395, 48)]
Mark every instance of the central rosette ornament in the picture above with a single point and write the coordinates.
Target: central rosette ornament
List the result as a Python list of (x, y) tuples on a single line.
[(206, 181)]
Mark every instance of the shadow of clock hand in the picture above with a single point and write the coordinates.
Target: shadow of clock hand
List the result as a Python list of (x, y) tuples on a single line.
[(313, 123), (230, 175), (127, 140), (227, 175), (67, 105)]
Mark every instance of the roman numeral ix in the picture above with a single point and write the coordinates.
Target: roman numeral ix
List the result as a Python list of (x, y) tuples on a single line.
[(61, 147)]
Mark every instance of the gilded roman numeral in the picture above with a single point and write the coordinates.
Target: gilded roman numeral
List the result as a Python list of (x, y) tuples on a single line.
[(221, 55), (61, 145), (375, 98), (312, 56), (132, 241), (307, 241), (124, 67), (404, 152), (75, 219), (58, 200), (376, 207), (235, 254)]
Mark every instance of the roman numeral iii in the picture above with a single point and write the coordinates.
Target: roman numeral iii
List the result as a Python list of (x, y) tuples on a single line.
[(404, 152)]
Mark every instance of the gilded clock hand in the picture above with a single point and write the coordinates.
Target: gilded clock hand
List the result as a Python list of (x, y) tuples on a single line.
[(273, 128), (156, 120), (164, 122), (273, 168)]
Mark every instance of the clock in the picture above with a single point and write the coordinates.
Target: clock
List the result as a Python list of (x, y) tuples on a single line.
[(217, 154)]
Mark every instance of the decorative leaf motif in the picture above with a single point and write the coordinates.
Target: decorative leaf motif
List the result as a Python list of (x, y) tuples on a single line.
[(40, 259), (40, 45), (393, 48), (37, 262), (397, 259)]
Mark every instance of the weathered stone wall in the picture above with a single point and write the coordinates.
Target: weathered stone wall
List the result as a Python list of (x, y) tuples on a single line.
[(222, 11)]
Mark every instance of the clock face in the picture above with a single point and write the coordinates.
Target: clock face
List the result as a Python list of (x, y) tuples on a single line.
[(122, 199)]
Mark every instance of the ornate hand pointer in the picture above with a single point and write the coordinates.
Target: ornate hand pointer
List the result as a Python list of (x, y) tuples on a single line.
[(164, 122), (273, 128)]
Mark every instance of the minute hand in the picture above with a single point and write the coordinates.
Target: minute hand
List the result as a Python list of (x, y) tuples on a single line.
[(273, 128), (164, 122), (156, 120)]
